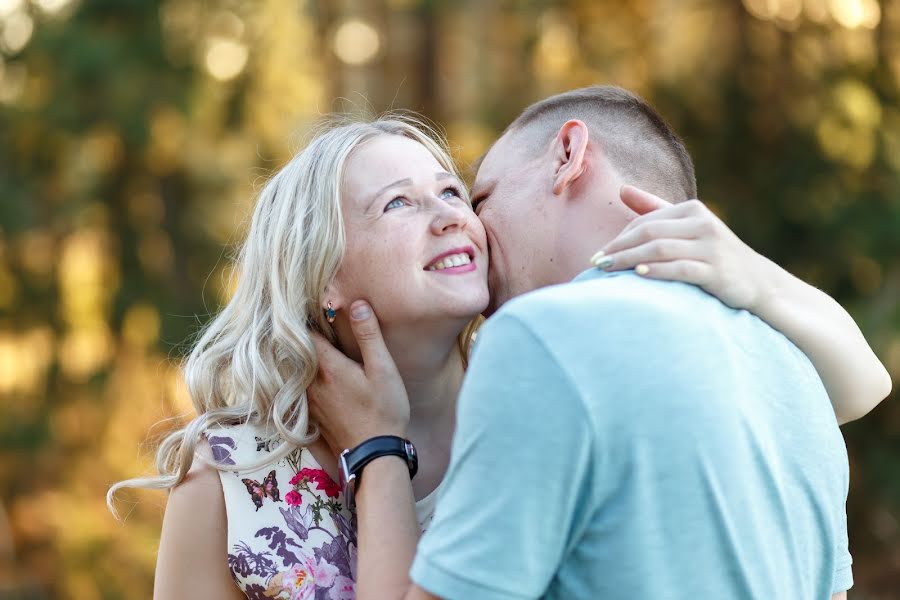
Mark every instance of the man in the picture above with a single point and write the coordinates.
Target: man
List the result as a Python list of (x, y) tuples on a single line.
[(616, 436)]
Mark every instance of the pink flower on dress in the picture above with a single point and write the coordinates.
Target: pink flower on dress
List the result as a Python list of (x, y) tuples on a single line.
[(301, 580), (343, 589), (323, 481), (293, 498)]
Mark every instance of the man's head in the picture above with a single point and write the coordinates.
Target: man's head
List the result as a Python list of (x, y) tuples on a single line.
[(548, 189)]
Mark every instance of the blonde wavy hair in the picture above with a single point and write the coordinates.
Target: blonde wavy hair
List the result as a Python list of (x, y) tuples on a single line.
[(253, 362)]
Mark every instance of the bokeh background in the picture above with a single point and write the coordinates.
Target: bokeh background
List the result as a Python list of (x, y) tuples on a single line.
[(133, 135)]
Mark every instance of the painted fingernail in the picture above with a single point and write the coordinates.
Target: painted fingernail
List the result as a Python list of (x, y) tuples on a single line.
[(605, 263), (642, 269), (597, 257)]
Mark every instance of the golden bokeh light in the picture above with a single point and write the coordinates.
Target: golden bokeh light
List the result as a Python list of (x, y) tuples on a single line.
[(858, 103), (847, 131), (8, 7), (140, 326), (24, 360), (356, 42), (88, 278), (556, 48), (17, 30), (856, 13), (54, 7), (786, 10), (226, 58), (85, 351)]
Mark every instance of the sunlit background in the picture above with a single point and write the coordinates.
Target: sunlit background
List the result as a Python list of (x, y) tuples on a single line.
[(134, 133)]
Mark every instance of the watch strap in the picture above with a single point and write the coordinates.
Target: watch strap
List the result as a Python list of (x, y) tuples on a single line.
[(376, 447)]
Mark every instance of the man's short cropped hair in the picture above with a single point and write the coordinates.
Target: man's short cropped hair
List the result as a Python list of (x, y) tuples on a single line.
[(638, 142)]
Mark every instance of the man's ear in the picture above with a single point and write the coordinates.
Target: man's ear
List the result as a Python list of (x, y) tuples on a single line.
[(570, 150)]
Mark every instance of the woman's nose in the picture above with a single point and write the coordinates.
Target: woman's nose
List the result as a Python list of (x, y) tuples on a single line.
[(447, 217)]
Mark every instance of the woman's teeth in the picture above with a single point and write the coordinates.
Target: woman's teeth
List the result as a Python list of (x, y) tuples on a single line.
[(454, 260)]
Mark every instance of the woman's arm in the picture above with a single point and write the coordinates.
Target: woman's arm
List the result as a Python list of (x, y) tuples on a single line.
[(193, 546), (687, 242)]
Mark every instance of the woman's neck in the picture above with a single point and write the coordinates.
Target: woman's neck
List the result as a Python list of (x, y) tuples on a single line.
[(432, 370)]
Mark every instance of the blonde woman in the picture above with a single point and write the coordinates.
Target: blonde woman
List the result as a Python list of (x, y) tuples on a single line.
[(373, 210)]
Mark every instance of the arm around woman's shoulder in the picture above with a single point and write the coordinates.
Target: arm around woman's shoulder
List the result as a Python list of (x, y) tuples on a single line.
[(687, 242), (193, 546)]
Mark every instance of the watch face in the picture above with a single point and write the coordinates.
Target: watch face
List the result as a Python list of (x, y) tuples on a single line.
[(343, 470), (347, 480)]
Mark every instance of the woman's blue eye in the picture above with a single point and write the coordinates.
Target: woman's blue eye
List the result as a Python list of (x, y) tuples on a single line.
[(452, 191), (395, 203)]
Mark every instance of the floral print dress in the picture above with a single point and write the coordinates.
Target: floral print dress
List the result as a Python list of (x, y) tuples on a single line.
[(290, 534)]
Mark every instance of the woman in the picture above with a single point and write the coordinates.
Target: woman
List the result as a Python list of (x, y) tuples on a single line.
[(367, 210)]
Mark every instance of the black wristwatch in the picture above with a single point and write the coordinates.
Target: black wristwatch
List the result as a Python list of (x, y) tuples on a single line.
[(353, 461)]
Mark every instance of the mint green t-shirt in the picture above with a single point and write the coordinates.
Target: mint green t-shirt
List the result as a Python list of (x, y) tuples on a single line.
[(619, 437)]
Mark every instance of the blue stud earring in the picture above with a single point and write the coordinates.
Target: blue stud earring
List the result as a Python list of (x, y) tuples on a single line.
[(329, 313)]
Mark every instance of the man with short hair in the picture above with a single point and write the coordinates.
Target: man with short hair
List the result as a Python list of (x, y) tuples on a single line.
[(655, 442)]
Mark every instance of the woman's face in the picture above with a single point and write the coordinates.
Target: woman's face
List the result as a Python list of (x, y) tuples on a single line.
[(415, 249)]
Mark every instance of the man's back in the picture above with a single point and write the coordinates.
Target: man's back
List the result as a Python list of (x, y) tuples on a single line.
[(694, 448)]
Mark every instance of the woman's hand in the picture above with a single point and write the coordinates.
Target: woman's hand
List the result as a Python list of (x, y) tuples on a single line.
[(686, 242), (353, 402)]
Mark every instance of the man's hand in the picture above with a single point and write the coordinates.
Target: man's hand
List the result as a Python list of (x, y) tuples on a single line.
[(687, 242), (353, 402)]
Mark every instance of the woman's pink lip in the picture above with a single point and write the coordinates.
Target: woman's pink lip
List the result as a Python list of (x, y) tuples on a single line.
[(456, 270)]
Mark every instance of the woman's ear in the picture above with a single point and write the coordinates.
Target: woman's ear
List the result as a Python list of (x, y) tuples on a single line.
[(570, 150)]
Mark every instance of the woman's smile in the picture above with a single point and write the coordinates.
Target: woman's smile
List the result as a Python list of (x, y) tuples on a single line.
[(451, 262)]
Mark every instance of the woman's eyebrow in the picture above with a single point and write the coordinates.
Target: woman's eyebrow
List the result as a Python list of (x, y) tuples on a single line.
[(377, 195)]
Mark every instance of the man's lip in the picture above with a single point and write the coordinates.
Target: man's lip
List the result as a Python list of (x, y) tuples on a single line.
[(467, 249)]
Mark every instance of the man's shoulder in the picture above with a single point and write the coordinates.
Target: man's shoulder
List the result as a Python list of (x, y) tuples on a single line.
[(622, 297)]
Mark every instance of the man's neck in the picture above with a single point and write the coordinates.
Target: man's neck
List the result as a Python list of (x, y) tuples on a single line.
[(586, 227)]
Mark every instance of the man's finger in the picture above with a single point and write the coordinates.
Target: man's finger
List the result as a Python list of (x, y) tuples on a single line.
[(640, 201), (331, 360), (367, 332)]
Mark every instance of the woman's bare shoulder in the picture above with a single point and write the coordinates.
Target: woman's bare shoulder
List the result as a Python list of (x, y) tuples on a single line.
[(193, 545)]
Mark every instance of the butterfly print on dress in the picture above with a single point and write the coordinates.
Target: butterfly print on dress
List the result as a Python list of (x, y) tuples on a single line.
[(259, 491)]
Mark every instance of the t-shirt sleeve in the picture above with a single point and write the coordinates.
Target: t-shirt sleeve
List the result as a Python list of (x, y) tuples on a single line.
[(843, 572), (518, 488)]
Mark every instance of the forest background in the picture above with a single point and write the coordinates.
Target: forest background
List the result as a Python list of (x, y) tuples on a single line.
[(134, 134)]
